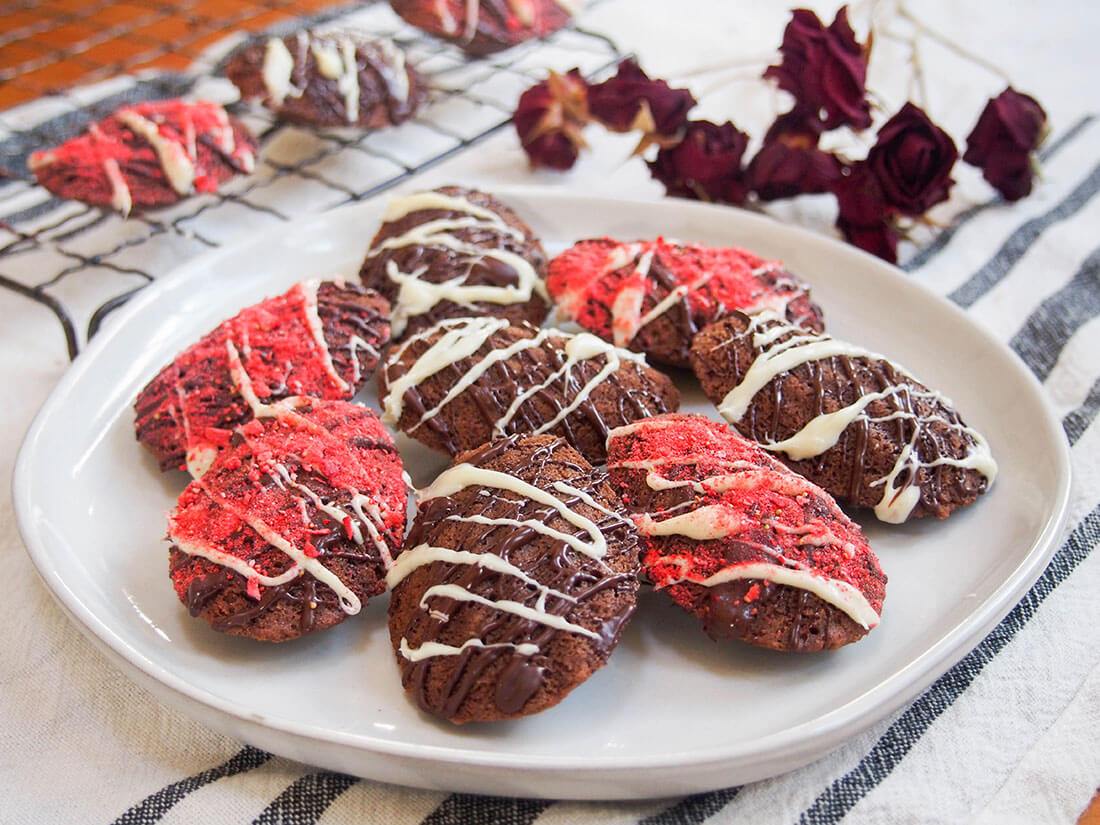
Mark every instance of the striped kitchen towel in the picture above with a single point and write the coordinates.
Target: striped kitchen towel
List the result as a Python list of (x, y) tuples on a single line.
[(1007, 734)]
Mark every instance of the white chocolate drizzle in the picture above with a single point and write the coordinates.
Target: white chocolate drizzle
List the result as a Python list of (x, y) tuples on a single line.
[(416, 295), (473, 13), (329, 62), (308, 291), (455, 478), (424, 554), (178, 167), (395, 73), (461, 594), (120, 192), (460, 477), (706, 523), (463, 337), (278, 67), (348, 82), (429, 650), (717, 521), (840, 594), (823, 431)]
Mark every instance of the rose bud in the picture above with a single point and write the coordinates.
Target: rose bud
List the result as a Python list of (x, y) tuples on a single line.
[(1010, 128), (863, 214), (880, 239), (705, 165), (789, 163), (549, 118), (912, 160), (825, 69), (631, 101)]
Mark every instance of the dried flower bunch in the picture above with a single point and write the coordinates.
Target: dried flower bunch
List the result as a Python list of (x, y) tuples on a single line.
[(906, 171)]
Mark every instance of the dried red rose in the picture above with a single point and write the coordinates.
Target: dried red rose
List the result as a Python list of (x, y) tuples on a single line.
[(705, 165), (912, 160), (825, 69), (789, 163), (631, 101), (1010, 128), (549, 118), (879, 239), (864, 215)]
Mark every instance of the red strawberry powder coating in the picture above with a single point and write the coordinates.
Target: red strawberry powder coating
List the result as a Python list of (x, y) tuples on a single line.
[(147, 155), (712, 503), (653, 296), (278, 347), (309, 483)]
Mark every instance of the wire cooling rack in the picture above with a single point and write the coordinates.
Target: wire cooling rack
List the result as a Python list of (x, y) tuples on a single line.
[(82, 262)]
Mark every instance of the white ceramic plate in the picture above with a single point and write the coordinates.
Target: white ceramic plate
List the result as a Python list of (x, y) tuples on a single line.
[(673, 712)]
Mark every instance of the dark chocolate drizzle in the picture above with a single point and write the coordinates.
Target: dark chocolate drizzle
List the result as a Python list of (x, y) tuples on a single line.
[(345, 310), (321, 101), (686, 321), (495, 390), (840, 380), (555, 565), (330, 538), (437, 263)]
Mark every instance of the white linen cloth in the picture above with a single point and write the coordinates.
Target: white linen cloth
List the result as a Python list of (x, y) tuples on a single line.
[(1010, 734)]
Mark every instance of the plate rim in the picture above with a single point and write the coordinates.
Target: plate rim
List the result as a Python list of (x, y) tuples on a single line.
[(819, 734)]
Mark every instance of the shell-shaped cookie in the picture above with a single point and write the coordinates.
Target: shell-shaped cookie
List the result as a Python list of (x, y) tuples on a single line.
[(294, 524), (482, 27), (752, 549), (454, 253), (320, 338), (654, 296), (467, 381), (848, 419), (514, 584), (147, 155), (332, 78)]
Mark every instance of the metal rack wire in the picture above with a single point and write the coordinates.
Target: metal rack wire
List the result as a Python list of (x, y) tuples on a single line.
[(82, 262)]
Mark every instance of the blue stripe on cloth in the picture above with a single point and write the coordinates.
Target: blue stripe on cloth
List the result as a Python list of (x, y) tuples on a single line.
[(840, 797), (1045, 333), (1077, 421), (1014, 247), (153, 808), (693, 809), (306, 799), (468, 809), (929, 250)]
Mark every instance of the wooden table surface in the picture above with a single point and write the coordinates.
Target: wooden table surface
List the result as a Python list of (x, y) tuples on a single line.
[(46, 47)]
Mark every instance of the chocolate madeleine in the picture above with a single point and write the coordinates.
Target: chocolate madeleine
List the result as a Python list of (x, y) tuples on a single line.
[(467, 381), (654, 296), (147, 155), (293, 526), (319, 338), (455, 253), (483, 27), (848, 419), (334, 78), (515, 583), (752, 549)]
